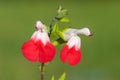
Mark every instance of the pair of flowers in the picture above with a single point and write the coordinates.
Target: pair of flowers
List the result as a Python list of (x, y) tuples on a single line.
[(39, 48)]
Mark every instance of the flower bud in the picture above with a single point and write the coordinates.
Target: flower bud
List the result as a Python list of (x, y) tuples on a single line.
[(39, 25)]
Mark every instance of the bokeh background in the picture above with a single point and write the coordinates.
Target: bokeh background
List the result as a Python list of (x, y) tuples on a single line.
[(100, 53)]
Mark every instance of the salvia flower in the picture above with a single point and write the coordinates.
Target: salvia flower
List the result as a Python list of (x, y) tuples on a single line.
[(39, 48), (71, 52)]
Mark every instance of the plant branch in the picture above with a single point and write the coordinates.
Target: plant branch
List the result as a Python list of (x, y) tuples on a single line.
[(42, 64), (42, 71), (51, 25)]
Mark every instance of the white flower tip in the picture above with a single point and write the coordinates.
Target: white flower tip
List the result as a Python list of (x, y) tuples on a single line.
[(85, 31), (39, 25), (90, 35)]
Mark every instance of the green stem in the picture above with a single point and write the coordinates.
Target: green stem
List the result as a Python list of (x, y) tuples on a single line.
[(51, 25), (42, 71), (42, 64)]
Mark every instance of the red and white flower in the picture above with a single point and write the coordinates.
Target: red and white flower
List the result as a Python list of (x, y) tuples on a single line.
[(39, 48), (71, 52)]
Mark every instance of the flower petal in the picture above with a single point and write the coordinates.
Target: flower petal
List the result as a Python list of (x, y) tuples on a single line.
[(46, 52), (30, 51), (74, 41), (63, 53), (71, 55), (74, 56), (39, 25), (38, 35), (84, 31), (39, 48)]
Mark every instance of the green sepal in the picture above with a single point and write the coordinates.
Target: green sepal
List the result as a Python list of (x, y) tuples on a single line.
[(61, 33), (62, 76), (58, 41), (64, 20), (46, 28), (60, 37)]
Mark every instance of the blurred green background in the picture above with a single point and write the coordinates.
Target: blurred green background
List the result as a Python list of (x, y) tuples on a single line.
[(100, 53)]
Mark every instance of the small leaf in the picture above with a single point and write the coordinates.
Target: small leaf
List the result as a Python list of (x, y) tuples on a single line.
[(54, 31), (64, 20), (52, 78), (61, 13), (59, 16), (59, 8), (62, 76), (64, 12), (55, 28)]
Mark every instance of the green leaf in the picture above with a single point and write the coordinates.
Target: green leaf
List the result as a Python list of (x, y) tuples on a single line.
[(62, 76), (61, 33), (64, 20), (55, 28), (52, 78), (54, 31)]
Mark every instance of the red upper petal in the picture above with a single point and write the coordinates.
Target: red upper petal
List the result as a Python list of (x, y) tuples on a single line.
[(30, 51), (71, 55)]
